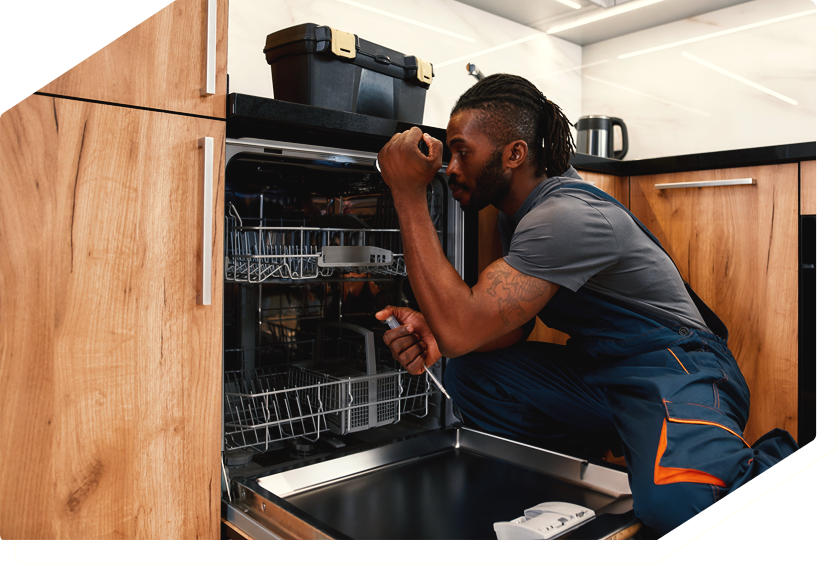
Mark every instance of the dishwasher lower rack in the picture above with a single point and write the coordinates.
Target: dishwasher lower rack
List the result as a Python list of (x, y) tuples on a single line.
[(354, 401), (269, 405), (257, 254)]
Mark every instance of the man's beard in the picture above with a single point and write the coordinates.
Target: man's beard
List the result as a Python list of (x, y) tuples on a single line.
[(491, 185)]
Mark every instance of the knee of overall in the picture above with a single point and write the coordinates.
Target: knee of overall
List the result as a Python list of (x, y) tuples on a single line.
[(456, 371), (459, 378), (665, 507)]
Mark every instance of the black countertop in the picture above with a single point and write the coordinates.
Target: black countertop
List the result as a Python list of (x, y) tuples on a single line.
[(266, 118)]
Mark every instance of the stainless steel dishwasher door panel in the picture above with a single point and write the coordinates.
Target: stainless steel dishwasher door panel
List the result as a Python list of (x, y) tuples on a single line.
[(451, 484), (453, 495)]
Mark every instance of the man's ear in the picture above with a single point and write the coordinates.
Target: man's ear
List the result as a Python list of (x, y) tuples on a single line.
[(515, 154)]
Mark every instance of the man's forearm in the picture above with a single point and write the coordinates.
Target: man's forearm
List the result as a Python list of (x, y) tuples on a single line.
[(443, 296), (462, 319)]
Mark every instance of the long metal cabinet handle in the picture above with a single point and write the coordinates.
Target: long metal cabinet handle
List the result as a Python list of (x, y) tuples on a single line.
[(207, 251), (722, 183), (210, 83)]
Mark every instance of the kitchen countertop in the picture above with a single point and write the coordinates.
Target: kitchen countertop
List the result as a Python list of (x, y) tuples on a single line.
[(266, 118)]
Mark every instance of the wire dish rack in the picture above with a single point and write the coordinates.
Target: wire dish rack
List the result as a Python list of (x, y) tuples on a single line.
[(255, 254), (341, 390)]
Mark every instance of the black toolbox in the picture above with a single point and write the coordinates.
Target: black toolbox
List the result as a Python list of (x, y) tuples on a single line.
[(325, 67)]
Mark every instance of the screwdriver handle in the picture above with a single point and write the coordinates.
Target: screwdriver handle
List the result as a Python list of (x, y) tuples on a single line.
[(392, 322), (423, 147)]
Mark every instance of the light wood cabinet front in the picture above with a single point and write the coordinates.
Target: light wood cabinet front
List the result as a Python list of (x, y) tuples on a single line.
[(110, 394), (808, 187), (159, 64), (737, 247)]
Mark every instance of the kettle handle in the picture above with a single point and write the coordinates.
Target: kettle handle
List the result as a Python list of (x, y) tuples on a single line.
[(624, 137)]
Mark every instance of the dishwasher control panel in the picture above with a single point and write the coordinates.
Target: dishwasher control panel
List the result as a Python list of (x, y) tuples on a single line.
[(544, 522)]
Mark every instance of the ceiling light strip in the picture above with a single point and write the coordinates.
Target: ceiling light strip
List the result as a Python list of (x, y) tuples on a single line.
[(569, 70), (489, 50), (716, 34), (408, 20), (570, 4), (638, 92), (739, 78), (604, 14)]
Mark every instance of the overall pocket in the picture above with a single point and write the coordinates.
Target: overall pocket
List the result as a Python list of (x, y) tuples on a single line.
[(699, 444)]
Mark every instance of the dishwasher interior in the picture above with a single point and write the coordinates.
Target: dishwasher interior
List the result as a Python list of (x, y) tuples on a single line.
[(321, 426), (312, 251)]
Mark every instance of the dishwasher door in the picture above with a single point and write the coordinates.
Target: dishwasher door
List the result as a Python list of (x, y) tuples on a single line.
[(450, 484)]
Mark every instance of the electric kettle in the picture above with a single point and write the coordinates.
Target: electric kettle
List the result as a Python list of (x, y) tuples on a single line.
[(595, 136)]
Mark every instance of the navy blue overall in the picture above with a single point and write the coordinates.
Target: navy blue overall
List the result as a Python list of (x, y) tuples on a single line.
[(671, 396)]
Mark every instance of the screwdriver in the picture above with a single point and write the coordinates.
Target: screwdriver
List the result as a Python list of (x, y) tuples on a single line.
[(393, 323), (423, 147)]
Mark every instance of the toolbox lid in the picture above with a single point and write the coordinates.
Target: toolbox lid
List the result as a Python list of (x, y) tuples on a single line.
[(330, 42)]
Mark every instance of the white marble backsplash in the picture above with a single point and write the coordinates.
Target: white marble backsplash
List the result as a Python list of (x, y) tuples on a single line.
[(675, 105), (672, 103), (551, 63)]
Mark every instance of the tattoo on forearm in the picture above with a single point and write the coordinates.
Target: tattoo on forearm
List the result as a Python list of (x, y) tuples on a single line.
[(512, 288)]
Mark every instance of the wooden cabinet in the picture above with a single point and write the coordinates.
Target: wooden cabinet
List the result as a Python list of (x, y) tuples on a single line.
[(617, 187), (807, 184), (110, 365), (110, 394), (737, 247), (159, 64)]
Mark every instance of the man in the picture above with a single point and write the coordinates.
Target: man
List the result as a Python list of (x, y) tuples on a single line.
[(646, 368)]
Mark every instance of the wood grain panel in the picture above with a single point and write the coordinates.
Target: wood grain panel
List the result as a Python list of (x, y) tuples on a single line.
[(541, 333), (808, 187), (110, 393), (233, 532), (489, 243), (158, 64), (280, 521), (617, 187), (737, 247)]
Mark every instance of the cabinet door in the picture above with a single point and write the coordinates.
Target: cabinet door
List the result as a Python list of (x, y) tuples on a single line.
[(110, 370), (489, 246), (808, 187), (737, 247), (161, 64)]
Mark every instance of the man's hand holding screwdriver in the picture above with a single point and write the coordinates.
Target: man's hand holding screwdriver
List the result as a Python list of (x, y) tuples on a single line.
[(412, 344)]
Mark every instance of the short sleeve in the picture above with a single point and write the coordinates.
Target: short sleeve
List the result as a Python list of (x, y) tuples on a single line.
[(565, 241)]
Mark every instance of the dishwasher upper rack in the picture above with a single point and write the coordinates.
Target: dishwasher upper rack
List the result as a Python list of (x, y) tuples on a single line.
[(256, 254), (268, 405)]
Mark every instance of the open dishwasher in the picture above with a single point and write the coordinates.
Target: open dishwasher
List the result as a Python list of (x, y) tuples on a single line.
[(325, 435)]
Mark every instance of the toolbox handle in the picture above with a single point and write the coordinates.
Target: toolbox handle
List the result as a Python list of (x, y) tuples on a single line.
[(368, 342)]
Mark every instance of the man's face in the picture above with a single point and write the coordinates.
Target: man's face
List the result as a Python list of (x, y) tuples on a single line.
[(476, 173)]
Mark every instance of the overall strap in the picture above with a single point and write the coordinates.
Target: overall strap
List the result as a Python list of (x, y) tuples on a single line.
[(711, 319)]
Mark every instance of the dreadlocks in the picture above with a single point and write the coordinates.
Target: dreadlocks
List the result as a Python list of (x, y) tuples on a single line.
[(513, 109)]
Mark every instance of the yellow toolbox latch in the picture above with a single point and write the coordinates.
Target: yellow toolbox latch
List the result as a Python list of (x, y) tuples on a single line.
[(343, 43), (425, 72)]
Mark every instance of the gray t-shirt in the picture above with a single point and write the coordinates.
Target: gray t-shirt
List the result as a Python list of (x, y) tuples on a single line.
[(575, 239)]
